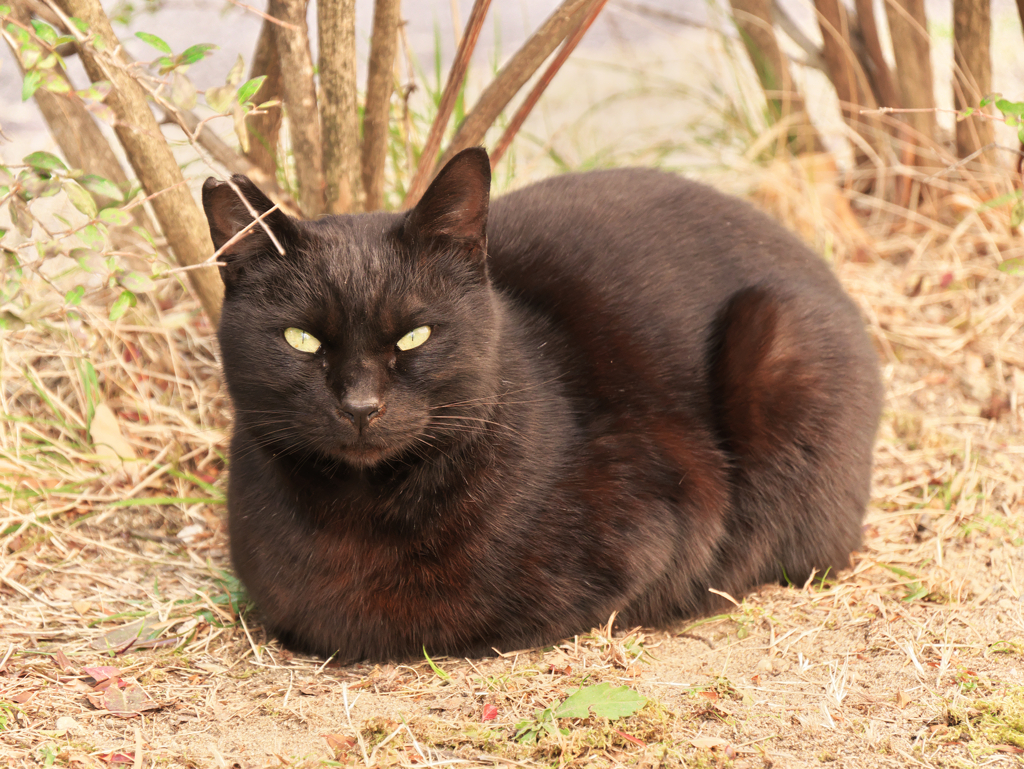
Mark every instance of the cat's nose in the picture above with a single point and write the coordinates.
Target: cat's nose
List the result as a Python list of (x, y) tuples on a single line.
[(361, 412)]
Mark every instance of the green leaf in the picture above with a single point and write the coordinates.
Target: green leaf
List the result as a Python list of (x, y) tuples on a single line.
[(98, 91), (235, 75), (5, 10), (145, 234), (1010, 107), (183, 92), (898, 571), (56, 84), (121, 304), (220, 97), (21, 37), (45, 32), (601, 700), (30, 56), (137, 282), (97, 185), (1011, 266), (195, 53), (44, 161), (1017, 213), (115, 217), (154, 41), (80, 198), (92, 236), (989, 99), (74, 296), (21, 217), (33, 79), (433, 666), (240, 130), (250, 88)]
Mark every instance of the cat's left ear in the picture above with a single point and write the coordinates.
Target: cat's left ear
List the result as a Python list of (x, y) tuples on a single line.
[(232, 225), (454, 207)]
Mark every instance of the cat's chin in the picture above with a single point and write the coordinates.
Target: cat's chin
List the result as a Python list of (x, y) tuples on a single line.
[(363, 457)]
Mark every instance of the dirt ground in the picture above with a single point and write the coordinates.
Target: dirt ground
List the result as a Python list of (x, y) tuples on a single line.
[(123, 641)]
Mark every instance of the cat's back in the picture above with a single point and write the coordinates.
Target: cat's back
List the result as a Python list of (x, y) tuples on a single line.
[(645, 227), (658, 258)]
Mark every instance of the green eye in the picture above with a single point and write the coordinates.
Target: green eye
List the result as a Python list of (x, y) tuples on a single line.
[(414, 338), (300, 340)]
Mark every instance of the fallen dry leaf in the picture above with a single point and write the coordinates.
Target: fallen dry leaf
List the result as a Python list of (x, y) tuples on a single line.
[(110, 445), (341, 745), (67, 724), (60, 659), (117, 758), (135, 633), (104, 675), (123, 703), (82, 607)]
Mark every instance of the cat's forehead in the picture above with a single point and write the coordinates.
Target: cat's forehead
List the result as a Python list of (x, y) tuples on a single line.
[(353, 250), (357, 268)]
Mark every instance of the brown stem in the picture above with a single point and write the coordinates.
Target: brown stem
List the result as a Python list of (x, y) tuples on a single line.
[(339, 119), (377, 112), (845, 73), (754, 22), (299, 91), (265, 129), (176, 211), (972, 75), (231, 160), (456, 77), (513, 76), (545, 80), (912, 52), (880, 74)]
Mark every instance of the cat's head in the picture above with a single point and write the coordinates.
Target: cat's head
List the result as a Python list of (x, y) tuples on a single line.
[(360, 338)]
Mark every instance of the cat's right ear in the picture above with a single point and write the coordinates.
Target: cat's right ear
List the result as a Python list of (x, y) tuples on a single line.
[(234, 229), (453, 210)]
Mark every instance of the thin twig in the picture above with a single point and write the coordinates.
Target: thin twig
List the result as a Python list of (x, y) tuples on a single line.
[(456, 77), (549, 74)]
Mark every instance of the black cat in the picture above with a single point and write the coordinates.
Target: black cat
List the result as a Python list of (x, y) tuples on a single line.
[(460, 428)]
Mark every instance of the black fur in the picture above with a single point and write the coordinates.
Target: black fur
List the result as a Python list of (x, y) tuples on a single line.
[(635, 389)]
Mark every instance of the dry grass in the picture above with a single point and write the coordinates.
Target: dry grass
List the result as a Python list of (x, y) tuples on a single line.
[(913, 657)]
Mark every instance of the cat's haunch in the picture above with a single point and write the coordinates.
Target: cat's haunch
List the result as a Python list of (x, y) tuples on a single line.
[(470, 426)]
